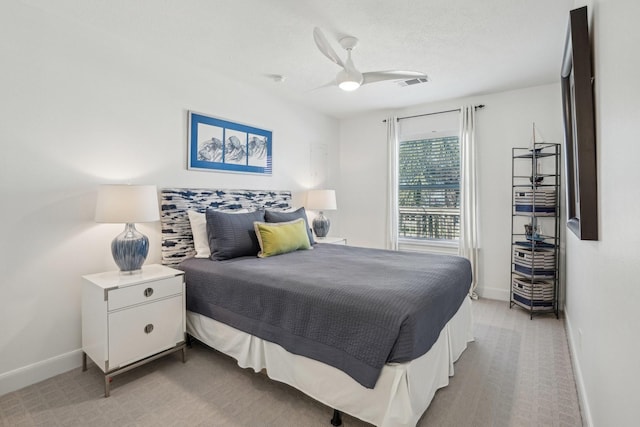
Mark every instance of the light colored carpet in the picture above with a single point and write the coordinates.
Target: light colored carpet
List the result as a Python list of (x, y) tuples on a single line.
[(517, 373)]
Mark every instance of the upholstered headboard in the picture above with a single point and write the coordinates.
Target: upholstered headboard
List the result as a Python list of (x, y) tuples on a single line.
[(177, 240)]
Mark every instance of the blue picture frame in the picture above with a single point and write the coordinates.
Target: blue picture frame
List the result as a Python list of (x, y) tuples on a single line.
[(220, 145)]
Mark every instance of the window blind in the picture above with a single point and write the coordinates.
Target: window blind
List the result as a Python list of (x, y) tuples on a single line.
[(429, 188)]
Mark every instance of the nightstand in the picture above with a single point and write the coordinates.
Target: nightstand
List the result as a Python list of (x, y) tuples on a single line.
[(131, 319), (332, 240)]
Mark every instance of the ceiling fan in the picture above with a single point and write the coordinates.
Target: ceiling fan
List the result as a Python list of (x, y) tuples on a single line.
[(349, 78)]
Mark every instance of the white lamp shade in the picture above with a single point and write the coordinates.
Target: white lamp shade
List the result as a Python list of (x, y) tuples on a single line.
[(127, 204), (321, 200)]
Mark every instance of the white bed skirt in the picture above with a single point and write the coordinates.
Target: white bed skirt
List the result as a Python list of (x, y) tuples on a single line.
[(401, 395)]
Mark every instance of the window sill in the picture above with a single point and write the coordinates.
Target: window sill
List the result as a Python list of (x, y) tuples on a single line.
[(431, 246)]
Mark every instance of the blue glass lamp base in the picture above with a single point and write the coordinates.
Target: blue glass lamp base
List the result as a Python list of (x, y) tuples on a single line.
[(321, 225), (130, 248)]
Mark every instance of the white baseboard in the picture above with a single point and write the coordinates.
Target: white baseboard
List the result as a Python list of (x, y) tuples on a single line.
[(494, 293), (39, 371), (577, 372)]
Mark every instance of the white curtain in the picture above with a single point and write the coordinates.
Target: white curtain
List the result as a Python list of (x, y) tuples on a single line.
[(468, 194), (392, 184)]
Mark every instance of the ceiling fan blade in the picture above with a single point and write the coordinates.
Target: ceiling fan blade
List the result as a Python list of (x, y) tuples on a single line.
[(378, 76), (325, 47)]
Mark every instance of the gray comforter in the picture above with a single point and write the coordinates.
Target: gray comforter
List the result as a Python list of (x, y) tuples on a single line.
[(353, 308)]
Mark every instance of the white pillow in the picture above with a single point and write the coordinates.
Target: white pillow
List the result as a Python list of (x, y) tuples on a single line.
[(198, 222)]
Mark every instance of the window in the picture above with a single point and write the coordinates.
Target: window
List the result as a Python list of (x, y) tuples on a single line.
[(429, 189)]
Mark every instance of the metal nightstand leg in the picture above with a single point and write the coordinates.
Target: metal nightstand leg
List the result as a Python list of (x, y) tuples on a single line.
[(110, 374), (107, 385)]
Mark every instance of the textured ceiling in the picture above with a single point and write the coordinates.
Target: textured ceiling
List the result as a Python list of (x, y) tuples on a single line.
[(467, 47)]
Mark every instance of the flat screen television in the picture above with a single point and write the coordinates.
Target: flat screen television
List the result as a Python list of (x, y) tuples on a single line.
[(579, 129)]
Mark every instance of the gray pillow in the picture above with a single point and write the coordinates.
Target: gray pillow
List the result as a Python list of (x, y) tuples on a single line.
[(279, 216), (232, 235)]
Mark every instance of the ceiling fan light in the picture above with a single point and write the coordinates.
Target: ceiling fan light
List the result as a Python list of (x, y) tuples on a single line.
[(349, 85), (349, 79)]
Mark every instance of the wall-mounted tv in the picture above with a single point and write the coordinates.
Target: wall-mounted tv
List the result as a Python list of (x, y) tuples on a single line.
[(579, 128)]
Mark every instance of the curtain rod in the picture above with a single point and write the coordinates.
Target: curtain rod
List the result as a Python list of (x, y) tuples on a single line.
[(431, 114)]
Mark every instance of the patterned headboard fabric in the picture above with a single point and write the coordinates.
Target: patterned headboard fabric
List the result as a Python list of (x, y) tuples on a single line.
[(177, 240)]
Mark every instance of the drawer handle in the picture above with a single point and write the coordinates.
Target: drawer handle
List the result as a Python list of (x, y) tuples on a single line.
[(148, 292), (148, 329)]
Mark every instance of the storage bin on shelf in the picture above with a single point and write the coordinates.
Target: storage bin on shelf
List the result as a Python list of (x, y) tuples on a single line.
[(533, 294), (534, 262), (541, 201)]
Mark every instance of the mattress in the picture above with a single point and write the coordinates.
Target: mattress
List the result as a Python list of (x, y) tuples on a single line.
[(352, 308)]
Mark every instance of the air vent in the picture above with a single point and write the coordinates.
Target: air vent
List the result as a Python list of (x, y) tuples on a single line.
[(412, 82)]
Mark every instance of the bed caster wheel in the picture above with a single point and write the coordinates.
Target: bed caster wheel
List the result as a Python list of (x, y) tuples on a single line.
[(337, 418)]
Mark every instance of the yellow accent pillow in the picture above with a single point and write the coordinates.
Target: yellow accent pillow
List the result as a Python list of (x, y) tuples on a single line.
[(277, 238)]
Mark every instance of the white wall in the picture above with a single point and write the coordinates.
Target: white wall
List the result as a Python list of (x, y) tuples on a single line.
[(505, 122), (603, 277), (80, 108)]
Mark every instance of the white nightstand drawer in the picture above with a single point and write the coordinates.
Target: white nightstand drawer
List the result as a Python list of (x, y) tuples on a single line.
[(144, 330), (144, 292)]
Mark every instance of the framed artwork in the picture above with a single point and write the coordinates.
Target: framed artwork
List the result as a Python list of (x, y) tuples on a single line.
[(579, 125), (220, 145)]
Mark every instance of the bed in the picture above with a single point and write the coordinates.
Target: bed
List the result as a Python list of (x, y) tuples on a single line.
[(307, 317)]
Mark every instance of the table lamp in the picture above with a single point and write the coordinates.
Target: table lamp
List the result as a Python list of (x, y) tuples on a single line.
[(128, 204), (321, 200)]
